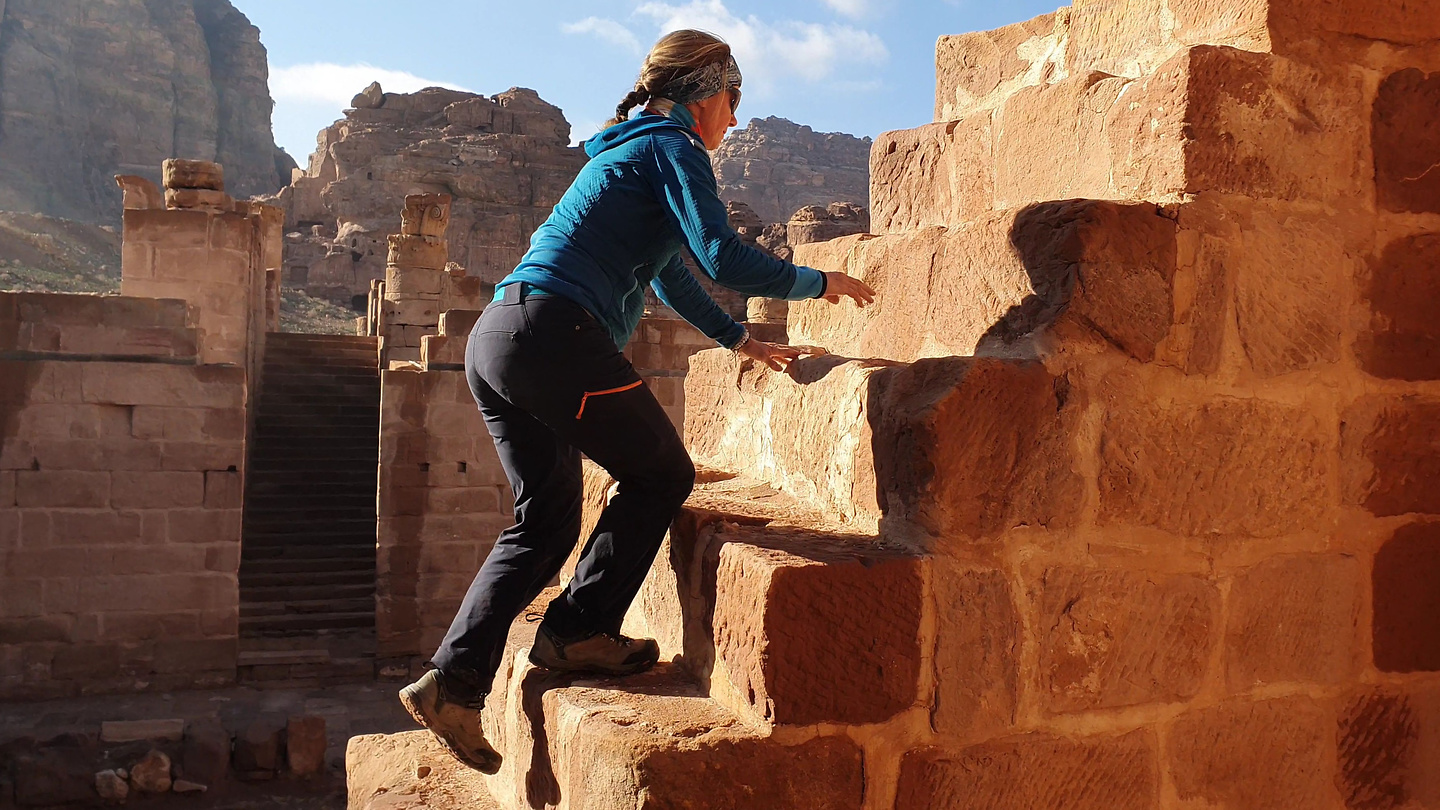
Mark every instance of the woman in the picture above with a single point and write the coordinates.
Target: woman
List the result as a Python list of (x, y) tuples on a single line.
[(545, 366)]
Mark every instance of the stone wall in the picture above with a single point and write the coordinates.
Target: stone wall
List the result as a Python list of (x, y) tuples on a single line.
[(120, 485)]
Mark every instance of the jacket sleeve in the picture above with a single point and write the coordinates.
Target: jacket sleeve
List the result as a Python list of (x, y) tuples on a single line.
[(679, 290), (685, 185)]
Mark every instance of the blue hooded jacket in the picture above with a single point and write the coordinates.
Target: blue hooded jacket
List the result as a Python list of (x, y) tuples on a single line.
[(647, 192)]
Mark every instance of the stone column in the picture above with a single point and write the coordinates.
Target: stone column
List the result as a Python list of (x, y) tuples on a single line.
[(415, 277), (198, 244)]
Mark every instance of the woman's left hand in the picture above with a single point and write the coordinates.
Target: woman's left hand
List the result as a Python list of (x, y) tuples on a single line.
[(774, 355)]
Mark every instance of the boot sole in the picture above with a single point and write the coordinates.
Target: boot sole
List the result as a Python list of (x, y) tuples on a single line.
[(592, 669), (410, 699)]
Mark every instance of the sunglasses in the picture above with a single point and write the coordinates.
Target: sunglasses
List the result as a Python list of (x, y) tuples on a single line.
[(734, 99)]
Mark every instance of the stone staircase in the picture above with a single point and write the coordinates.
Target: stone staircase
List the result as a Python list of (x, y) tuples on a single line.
[(1085, 511), (308, 558)]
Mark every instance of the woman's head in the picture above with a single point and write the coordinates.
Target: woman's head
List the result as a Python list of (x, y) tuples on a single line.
[(691, 68)]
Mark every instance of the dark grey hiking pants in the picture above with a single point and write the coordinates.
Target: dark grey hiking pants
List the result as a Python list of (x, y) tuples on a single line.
[(552, 385)]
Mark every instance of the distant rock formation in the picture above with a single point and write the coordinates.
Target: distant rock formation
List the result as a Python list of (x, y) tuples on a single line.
[(505, 160), (94, 88), (776, 167)]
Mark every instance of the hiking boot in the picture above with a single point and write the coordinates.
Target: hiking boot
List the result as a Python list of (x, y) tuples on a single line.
[(601, 653), (455, 724)]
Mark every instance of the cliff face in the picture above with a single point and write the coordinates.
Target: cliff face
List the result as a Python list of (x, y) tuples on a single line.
[(776, 167), (94, 88), (505, 160)]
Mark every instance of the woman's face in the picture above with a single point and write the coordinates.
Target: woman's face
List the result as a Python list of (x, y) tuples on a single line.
[(714, 117)]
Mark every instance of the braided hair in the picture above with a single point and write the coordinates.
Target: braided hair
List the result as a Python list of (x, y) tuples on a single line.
[(676, 54)]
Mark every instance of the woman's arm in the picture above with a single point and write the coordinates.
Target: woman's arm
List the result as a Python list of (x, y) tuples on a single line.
[(685, 184), (679, 290)]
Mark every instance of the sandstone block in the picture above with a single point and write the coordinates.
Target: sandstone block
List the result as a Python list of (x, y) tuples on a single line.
[(1039, 278), (1039, 123), (156, 384), (441, 350), (1386, 739), (194, 199), (1407, 148), (413, 281), (1264, 754), (939, 174), (62, 488), (972, 447), (120, 731), (305, 745), (1390, 461), (258, 747), (1402, 340), (1228, 466), (977, 655), (426, 215), (194, 174), (1033, 771), (775, 593), (976, 71), (1112, 638), (205, 755), (412, 312), (458, 322), (1407, 605), (1294, 619), (1290, 272), (223, 490), (7, 499), (158, 490), (111, 787), (416, 252), (138, 193)]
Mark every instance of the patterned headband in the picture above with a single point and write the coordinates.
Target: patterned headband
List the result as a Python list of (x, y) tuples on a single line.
[(703, 82)]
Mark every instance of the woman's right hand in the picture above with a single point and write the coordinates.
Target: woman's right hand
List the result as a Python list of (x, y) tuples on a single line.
[(839, 285)]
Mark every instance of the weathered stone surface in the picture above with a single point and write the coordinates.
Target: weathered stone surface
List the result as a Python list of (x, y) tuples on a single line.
[(1265, 754), (189, 82), (1289, 270), (777, 167), (205, 755), (775, 591), (1294, 619), (1112, 638), (1406, 144), (978, 71), (1391, 455), (152, 773), (977, 653), (305, 745), (112, 787), (1402, 340), (198, 174), (381, 772), (506, 161), (1033, 771), (120, 731), (939, 174), (813, 223), (970, 448), (1407, 603), (1386, 740), (1226, 466), (1040, 123), (1037, 279), (258, 747)]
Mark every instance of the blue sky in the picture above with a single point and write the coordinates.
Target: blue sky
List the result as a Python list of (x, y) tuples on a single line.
[(857, 66)]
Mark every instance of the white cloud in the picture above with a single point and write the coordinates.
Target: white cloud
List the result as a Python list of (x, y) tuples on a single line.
[(849, 8), (334, 85), (607, 30), (772, 53)]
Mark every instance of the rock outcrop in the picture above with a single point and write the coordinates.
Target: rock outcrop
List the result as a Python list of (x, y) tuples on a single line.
[(776, 167), (505, 161), (94, 88)]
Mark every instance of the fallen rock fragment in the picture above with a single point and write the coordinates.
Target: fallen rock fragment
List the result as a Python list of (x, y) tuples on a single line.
[(305, 745), (111, 786), (186, 786), (151, 774)]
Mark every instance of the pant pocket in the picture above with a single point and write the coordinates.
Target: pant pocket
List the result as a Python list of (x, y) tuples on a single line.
[(585, 398)]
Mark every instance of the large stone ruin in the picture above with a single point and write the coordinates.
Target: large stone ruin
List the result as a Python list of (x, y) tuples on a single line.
[(505, 161), (1122, 495)]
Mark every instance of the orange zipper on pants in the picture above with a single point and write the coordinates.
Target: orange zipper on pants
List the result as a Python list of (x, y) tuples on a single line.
[(622, 389)]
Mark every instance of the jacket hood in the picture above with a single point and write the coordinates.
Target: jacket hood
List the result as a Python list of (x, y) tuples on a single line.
[(634, 128)]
